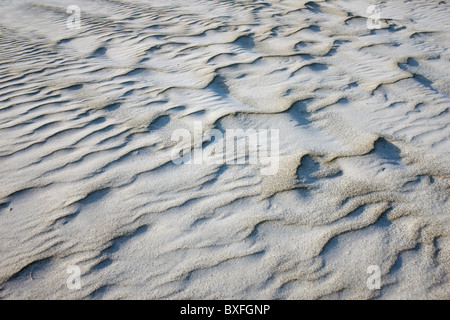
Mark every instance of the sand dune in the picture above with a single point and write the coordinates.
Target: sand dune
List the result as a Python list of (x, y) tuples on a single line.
[(86, 170)]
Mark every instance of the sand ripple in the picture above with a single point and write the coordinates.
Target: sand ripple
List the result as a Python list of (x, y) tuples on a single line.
[(87, 179)]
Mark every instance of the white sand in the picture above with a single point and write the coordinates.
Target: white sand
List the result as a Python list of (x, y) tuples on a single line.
[(86, 175)]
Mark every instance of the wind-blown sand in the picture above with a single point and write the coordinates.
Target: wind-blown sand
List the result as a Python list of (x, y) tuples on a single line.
[(87, 179)]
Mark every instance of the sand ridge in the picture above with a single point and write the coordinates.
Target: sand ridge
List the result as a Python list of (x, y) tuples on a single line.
[(86, 118)]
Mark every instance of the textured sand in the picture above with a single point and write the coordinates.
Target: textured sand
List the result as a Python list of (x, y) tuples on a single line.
[(86, 176)]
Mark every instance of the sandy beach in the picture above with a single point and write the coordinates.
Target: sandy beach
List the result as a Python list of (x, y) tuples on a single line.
[(210, 149)]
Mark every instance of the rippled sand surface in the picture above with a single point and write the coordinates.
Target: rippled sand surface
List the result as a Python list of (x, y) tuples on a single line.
[(87, 178)]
